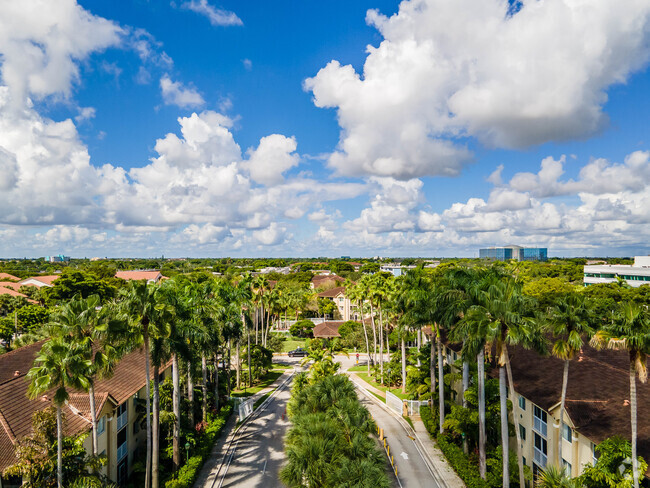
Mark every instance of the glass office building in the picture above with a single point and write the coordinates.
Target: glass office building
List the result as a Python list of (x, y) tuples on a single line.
[(514, 252)]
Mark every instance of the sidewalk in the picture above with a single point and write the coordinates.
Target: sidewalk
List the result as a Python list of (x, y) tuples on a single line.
[(446, 474), (211, 467)]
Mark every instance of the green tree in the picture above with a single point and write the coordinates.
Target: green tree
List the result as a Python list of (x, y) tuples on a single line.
[(569, 320), (629, 331), (59, 366), (31, 317), (613, 468)]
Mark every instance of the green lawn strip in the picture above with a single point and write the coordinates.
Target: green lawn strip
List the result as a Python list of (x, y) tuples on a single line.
[(261, 399), (291, 344), (371, 381), (359, 368), (408, 419), (267, 380), (282, 366), (378, 396)]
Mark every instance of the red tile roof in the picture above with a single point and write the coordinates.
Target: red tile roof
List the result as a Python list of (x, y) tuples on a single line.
[(45, 279), (139, 275), (10, 284), (11, 292), (327, 329), (16, 409), (7, 276), (332, 292)]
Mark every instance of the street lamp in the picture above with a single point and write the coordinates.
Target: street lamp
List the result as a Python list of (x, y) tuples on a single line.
[(187, 450)]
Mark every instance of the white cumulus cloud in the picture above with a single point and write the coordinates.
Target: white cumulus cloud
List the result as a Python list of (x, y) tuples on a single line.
[(175, 93), (216, 16)]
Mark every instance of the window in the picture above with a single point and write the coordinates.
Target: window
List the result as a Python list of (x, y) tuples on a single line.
[(539, 421), (522, 403), (594, 453), (122, 416), (567, 467), (121, 444), (101, 425), (567, 433), (540, 450), (522, 432), (523, 459)]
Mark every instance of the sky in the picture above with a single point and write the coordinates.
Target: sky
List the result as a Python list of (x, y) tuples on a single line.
[(284, 128)]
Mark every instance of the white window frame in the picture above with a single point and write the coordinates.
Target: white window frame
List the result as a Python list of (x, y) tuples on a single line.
[(567, 433), (101, 425), (539, 424)]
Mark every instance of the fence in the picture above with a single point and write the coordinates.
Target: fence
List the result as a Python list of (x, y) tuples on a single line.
[(245, 409), (397, 405)]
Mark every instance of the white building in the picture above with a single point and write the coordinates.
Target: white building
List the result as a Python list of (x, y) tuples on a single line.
[(635, 275)]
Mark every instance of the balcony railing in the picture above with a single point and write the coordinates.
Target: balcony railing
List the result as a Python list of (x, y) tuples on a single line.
[(122, 420), (121, 451), (539, 457)]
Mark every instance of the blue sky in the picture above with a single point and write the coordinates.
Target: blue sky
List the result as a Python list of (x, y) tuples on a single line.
[(420, 128)]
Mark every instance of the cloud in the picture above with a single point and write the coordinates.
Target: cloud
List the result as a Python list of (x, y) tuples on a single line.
[(448, 70), (274, 155), (216, 16), (248, 64), (41, 43), (272, 235), (85, 113), (174, 93)]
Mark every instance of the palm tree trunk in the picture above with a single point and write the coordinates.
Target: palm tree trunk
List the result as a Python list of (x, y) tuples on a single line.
[(480, 360), (403, 365), (59, 448), (204, 388), (441, 388), (238, 365), (465, 388), (216, 382), (257, 315), (520, 459), (93, 416), (565, 381), (381, 346), (419, 341), (155, 428), (147, 474), (365, 333), (504, 426), (374, 334), (190, 392), (262, 327), (248, 350), (229, 364), (176, 406), (635, 462), (432, 371)]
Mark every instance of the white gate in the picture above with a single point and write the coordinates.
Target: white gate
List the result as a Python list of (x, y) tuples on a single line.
[(394, 402), (414, 406), (245, 409)]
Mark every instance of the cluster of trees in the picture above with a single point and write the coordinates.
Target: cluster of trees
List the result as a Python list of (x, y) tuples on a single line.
[(330, 443), (487, 309), (187, 323)]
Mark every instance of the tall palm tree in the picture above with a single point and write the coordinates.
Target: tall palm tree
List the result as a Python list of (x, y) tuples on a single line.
[(139, 305), (569, 320), (354, 293), (365, 285), (60, 365), (630, 331)]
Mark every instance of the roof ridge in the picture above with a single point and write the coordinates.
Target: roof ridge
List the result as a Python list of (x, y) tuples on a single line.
[(15, 351), (7, 428)]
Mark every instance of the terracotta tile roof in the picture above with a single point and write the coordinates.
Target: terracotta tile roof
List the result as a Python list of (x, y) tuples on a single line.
[(7, 276), (45, 279), (316, 280), (10, 284), (16, 409), (139, 275), (11, 292), (332, 293), (327, 329)]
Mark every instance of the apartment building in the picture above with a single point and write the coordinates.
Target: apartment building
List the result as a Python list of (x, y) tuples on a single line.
[(597, 405), (634, 275), (120, 436)]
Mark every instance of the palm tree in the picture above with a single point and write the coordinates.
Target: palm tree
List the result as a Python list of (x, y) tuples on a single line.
[(90, 326), (59, 365), (630, 331), (139, 305), (569, 320), (355, 294), (365, 285), (554, 477)]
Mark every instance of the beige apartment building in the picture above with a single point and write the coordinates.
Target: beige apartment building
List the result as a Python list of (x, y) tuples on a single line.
[(120, 436), (597, 405)]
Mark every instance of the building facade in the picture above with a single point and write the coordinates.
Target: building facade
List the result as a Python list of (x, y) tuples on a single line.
[(517, 253), (635, 275)]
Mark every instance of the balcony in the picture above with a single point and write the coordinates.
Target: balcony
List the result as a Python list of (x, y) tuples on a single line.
[(122, 420), (121, 451)]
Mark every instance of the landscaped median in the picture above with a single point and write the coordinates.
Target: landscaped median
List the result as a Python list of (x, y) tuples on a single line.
[(362, 373), (205, 439)]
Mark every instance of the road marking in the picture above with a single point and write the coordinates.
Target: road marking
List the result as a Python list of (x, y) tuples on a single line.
[(264, 470), (404, 455)]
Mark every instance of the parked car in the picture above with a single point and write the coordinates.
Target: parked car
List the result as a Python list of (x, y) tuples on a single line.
[(298, 353)]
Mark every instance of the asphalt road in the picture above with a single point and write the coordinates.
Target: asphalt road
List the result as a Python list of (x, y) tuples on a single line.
[(257, 452)]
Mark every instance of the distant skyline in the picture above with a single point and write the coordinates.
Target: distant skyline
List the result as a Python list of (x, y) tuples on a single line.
[(279, 129)]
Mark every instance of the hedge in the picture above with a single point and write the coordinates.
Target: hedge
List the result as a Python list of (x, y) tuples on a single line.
[(187, 474)]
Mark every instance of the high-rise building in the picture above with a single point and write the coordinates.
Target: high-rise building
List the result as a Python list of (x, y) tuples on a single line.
[(514, 252)]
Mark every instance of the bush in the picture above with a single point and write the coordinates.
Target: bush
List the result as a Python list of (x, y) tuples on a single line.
[(186, 475), (302, 329)]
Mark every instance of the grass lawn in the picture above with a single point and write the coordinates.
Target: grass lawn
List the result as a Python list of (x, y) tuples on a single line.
[(291, 344), (266, 381), (362, 368), (261, 399), (371, 381), (282, 366)]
